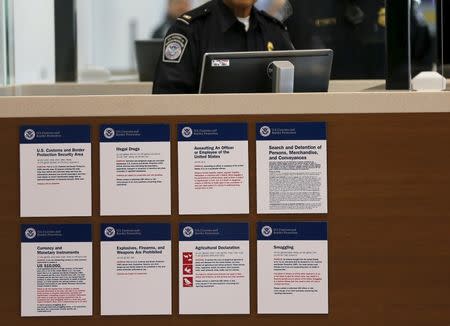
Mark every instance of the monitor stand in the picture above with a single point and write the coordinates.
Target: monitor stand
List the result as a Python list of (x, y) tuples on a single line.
[(282, 75)]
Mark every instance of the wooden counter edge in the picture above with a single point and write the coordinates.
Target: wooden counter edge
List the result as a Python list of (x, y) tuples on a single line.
[(230, 104)]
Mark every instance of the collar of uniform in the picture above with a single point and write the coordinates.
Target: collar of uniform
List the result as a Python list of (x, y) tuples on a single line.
[(228, 19)]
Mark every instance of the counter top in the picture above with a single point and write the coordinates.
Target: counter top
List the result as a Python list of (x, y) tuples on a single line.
[(369, 98)]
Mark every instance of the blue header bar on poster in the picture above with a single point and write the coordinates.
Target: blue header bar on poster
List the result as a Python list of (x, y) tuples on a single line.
[(213, 231), (291, 131), (212, 132), (292, 230), (135, 133), (56, 233), (55, 134), (136, 232)]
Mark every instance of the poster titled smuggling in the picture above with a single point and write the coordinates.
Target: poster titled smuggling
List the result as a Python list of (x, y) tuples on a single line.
[(292, 268), (135, 170), (214, 268), (55, 171), (56, 270), (136, 272), (291, 168), (213, 168)]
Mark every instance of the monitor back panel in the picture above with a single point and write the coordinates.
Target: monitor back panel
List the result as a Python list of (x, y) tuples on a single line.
[(237, 73)]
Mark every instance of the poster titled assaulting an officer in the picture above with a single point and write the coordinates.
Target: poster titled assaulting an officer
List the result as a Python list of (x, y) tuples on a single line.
[(213, 168)]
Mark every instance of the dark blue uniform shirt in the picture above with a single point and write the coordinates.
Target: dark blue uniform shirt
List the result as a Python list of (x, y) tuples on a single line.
[(212, 27)]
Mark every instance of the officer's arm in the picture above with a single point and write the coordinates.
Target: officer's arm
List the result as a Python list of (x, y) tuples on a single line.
[(177, 69)]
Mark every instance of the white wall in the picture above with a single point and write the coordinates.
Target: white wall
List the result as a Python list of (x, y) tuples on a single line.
[(34, 41), (85, 41), (107, 30)]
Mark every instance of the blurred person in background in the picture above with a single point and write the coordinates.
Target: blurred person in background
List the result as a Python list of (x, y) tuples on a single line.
[(175, 8), (280, 9), (355, 30)]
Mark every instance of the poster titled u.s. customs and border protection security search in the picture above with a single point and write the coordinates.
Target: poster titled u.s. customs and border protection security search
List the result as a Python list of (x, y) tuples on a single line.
[(291, 168), (55, 171)]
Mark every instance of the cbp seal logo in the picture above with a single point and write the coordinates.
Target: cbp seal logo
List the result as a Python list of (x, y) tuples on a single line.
[(173, 51), (265, 131), (30, 233), (188, 231), (109, 133), (187, 132), (29, 134), (110, 232), (266, 231), (174, 47)]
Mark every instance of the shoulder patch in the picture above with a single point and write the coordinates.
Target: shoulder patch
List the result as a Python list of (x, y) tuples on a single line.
[(273, 19), (174, 46)]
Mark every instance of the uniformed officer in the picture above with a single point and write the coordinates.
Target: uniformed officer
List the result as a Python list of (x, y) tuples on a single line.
[(217, 26), (354, 29)]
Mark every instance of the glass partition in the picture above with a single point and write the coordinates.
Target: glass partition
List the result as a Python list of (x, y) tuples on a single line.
[(444, 46), (107, 31), (423, 36), (445, 36), (3, 57), (355, 30), (426, 37)]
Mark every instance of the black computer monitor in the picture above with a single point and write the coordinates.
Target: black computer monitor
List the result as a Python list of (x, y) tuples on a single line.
[(247, 72), (148, 54)]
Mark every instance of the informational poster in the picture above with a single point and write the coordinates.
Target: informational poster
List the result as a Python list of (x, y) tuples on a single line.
[(213, 168), (135, 170), (56, 267), (292, 268), (291, 168), (55, 171), (214, 268), (136, 272)]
